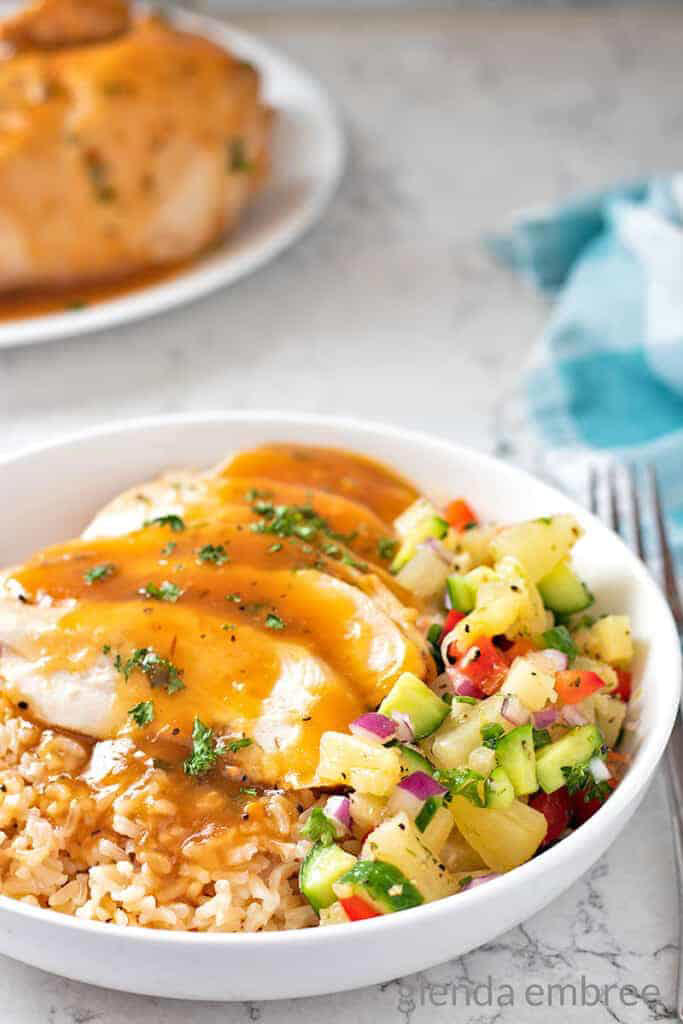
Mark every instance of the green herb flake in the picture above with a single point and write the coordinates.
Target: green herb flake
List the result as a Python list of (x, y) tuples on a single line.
[(463, 782), (348, 559), (232, 746), (386, 547), (274, 621), (318, 828), (99, 573), (274, 547), (169, 548), (213, 554), (491, 734), (579, 779), (204, 752), (142, 713), (166, 591), (235, 598), (560, 639), (464, 700), (255, 492), (249, 791), (159, 671), (175, 523), (237, 156), (464, 882)]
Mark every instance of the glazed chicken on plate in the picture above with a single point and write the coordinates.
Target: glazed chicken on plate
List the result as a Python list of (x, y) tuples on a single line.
[(125, 144)]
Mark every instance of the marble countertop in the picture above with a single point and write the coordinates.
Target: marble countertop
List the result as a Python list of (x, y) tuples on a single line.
[(390, 309)]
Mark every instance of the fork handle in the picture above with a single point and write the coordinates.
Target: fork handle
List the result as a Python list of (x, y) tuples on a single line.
[(674, 763)]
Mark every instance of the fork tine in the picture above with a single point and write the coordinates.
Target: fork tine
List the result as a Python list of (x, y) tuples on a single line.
[(593, 489), (614, 515), (668, 570), (636, 512)]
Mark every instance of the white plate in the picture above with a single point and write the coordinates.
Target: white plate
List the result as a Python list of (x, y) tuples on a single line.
[(308, 160), (50, 493)]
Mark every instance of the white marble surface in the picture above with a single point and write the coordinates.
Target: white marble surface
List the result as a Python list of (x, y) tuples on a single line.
[(390, 309)]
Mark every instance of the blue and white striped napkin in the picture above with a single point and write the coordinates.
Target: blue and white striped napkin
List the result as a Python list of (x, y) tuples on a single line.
[(608, 371)]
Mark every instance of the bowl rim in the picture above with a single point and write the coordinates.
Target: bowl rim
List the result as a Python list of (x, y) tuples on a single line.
[(608, 821)]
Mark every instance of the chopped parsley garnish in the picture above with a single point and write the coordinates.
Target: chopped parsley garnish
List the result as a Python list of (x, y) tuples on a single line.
[(318, 828), (274, 621), (463, 782), (545, 520), (176, 524), (213, 554), (164, 592), (580, 779), (159, 671), (491, 734), (277, 546), (235, 598), (169, 548), (142, 713), (232, 746), (249, 791), (237, 156), (300, 521), (255, 492), (348, 559), (541, 738), (332, 550), (560, 639), (386, 547), (98, 573), (464, 882), (204, 751)]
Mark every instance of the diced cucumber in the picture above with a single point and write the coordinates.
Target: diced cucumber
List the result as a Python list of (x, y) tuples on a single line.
[(461, 595), (575, 748), (411, 696), (413, 761), (563, 592), (515, 754), (381, 885), (414, 515), (321, 868), (433, 526), (429, 809), (500, 792)]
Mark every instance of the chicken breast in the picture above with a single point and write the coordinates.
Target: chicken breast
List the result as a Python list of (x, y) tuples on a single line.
[(213, 598), (124, 146)]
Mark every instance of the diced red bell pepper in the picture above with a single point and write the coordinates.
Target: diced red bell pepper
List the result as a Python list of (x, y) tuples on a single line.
[(484, 665), (556, 809), (519, 648), (452, 620), (583, 809), (623, 690), (459, 515), (357, 909), (573, 687)]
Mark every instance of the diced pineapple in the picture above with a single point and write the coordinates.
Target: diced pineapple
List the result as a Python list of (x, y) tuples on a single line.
[(349, 761), (458, 855), (539, 544), (533, 617), (482, 760), (454, 741), (366, 812), (530, 681), (504, 838), (609, 639), (438, 831), (496, 608), (334, 914), (475, 542), (398, 842), (601, 668), (425, 574), (610, 713)]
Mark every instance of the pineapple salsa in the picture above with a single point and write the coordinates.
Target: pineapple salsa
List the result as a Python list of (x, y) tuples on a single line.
[(445, 786)]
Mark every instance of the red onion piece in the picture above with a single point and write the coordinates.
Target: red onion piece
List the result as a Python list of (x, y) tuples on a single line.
[(405, 730), (572, 716), (374, 727), (545, 718), (463, 686), (481, 880), (558, 659), (338, 810), (514, 711), (422, 786)]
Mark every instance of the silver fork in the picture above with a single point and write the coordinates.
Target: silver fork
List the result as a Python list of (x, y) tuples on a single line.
[(650, 498)]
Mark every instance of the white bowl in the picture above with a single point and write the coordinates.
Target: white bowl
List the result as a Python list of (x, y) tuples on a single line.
[(49, 493)]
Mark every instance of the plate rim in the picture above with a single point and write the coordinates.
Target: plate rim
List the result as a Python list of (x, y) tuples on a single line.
[(201, 278)]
